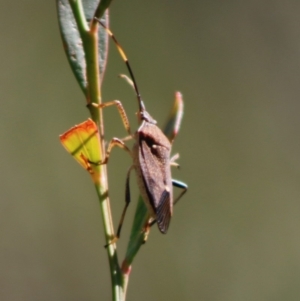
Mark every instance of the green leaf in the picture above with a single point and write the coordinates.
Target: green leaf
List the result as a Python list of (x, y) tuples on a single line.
[(172, 126), (72, 32), (137, 237), (83, 143)]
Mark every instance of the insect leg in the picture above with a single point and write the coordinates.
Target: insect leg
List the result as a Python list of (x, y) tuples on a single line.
[(180, 185), (114, 142), (175, 164), (127, 201), (173, 159), (121, 110), (146, 229)]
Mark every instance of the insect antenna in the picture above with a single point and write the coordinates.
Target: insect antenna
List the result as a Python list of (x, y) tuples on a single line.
[(125, 59)]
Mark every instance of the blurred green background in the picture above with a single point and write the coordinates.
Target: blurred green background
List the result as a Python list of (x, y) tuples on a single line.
[(235, 235)]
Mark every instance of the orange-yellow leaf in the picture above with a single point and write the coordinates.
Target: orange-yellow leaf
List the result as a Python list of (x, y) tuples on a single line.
[(83, 143)]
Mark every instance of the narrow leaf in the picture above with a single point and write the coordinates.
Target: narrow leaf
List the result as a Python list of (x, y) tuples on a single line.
[(174, 120), (72, 38)]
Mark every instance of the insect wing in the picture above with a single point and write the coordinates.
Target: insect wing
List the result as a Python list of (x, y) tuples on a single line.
[(154, 154)]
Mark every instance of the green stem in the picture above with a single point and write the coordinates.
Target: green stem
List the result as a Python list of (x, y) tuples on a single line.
[(90, 44)]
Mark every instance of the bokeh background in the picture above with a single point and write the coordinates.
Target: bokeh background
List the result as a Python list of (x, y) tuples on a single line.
[(235, 235)]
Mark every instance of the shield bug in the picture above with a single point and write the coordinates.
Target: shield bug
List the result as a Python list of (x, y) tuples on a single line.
[(151, 158)]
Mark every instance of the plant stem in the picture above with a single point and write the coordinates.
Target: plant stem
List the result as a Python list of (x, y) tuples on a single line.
[(89, 38)]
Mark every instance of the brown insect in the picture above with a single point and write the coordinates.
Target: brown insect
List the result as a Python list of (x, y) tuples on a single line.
[(151, 159)]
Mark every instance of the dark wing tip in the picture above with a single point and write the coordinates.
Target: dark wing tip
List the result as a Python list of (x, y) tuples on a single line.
[(163, 212)]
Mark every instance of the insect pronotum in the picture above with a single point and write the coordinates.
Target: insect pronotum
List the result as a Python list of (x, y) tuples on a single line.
[(151, 159)]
